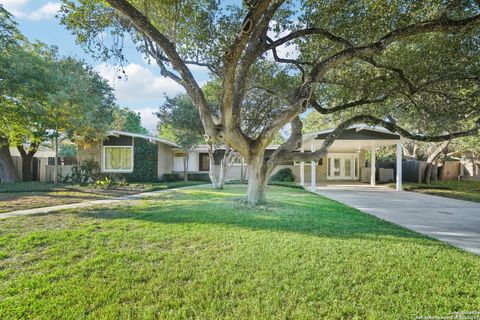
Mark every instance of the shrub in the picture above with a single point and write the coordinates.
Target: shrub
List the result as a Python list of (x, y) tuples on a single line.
[(145, 162), (199, 177), (88, 170), (169, 177), (283, 175)]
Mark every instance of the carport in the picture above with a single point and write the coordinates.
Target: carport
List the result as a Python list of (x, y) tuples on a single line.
[(343, 161)]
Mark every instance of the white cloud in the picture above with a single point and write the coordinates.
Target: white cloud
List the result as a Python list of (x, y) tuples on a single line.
[(13, 5), (17, 8), (140, 84), (45, 12), (149, 120)]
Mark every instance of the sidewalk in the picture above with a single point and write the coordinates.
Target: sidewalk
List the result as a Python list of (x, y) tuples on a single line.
[(90, 203)]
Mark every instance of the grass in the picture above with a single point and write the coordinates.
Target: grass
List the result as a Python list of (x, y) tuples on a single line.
[(28, 195), (463, 190), (205, 254)]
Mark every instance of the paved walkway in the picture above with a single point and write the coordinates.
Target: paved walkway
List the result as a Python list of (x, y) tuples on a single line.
[(86, 203), (454, 221)]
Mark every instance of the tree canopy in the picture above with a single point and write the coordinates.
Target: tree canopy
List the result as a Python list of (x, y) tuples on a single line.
[(384, 62)]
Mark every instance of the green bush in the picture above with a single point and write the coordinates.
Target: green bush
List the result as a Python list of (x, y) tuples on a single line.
[(170, 177), (88, 170), (199, 177), (283, 175), (145, 164)]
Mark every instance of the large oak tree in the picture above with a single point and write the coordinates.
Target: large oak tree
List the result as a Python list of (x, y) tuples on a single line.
[(331, 42)]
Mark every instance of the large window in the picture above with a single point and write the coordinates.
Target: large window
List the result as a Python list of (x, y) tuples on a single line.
[(118, 159)]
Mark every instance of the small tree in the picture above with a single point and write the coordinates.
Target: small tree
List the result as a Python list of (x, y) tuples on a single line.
[(129, 121), (179, 122)]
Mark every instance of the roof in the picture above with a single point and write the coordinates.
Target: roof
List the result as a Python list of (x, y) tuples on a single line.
[(137, 135)]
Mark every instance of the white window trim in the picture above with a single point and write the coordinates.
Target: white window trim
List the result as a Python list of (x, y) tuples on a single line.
[(118, 171)]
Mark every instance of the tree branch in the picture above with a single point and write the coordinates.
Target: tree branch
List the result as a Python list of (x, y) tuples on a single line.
[(330, 139), (307, 32), (142, 23), (314, 103)]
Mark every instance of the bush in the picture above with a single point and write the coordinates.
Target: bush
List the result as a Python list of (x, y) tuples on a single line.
[(170, 177), (199, 177), (283, 175), (88, 170)]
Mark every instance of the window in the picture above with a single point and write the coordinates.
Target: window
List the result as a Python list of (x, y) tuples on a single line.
[(204, 164), (179, 154), (117, 159)]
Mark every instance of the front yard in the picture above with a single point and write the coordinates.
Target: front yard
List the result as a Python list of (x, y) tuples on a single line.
[(205, 254), (28, 195), (463, 190)]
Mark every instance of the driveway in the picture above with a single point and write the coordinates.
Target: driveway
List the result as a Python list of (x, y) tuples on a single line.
[(454, 221)]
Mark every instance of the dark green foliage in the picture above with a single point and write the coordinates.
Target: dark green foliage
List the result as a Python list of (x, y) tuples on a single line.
[(145, 164), (199, 177), (283, 175), (169, 177)]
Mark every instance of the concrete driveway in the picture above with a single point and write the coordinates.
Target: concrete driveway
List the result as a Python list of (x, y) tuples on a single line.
[(454, 221)]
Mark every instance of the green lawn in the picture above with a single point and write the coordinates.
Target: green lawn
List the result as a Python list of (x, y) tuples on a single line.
[(205, 254), (463, 190), (28, 195)]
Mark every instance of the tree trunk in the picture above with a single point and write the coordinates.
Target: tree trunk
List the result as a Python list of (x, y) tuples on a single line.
[(242, 171), (428, 169), (27, 159), (225, 165), (27, 166), (7, 170), (55, 172), (185, 166), (257, 180)]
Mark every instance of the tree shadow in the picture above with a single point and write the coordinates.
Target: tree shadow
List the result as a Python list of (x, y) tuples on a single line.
[(307, 215)]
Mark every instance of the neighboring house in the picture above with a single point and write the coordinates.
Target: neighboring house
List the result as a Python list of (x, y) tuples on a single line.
[(124, 153)]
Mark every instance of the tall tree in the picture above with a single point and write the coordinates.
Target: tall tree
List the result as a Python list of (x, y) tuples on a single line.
[(129, 121), (10, 40), (179, 122), (347, 38)]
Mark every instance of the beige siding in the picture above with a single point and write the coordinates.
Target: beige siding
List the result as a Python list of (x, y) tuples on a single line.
[(165, 159)]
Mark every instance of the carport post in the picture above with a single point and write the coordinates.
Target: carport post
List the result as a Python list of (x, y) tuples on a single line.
[(373, 167), (302, 171), (314, 178), (399, 166)]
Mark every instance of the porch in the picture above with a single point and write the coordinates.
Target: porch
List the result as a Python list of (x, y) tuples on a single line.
[(345, 165)]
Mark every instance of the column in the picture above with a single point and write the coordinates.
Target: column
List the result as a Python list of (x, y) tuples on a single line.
[(302, 171), (399, 166), (373, 165), (314, 177)]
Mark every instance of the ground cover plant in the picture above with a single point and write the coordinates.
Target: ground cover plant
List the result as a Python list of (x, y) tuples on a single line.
[(203, 253), (28, 195), (463, 190)]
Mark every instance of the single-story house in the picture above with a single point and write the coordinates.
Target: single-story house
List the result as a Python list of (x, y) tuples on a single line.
[(141, 156)]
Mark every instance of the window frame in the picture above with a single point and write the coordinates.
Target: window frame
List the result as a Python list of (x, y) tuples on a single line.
[(200, 156), (104, 158)]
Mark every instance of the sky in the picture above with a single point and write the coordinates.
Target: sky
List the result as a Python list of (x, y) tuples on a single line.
[(143, 90)]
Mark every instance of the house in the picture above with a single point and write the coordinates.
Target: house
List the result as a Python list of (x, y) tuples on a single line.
[(141, 157)]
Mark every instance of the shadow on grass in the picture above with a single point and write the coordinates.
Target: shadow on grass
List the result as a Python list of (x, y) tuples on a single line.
[(293, 212)]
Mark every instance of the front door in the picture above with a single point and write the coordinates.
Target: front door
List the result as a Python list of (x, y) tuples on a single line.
[(343, 166)]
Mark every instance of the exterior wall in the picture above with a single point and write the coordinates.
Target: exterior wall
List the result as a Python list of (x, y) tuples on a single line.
[(165, 159), (193, 162), (93, 152)]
